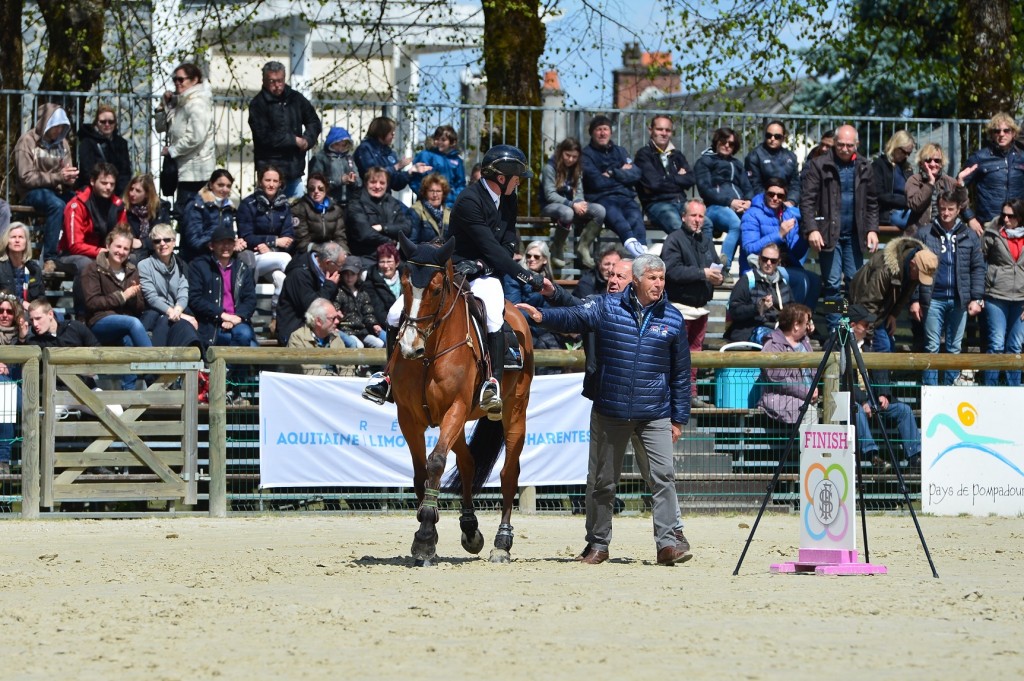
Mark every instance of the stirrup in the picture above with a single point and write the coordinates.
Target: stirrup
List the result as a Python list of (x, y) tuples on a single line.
[(378, 389), (490, 399)]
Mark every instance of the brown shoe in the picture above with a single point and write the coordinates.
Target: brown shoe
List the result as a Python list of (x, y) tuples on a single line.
[(681, 542), (595, 557), (670, 555), (583, 553)]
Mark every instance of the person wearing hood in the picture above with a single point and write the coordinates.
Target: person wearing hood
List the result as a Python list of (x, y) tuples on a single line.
[(888, 282), (959, 287), (723, 184), (284, 127), (45, 174), (608, 180), (772, 220), (757, 298), (100, 142), (90, 216), (445, 159), (561, 199), (186, 115), (336, 163), (375, 152)]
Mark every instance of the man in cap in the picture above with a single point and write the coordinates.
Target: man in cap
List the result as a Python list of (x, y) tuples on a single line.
[(608, 180), (887, 284), (862, 321)]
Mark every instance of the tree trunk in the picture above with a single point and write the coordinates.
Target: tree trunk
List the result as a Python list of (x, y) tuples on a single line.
[(74, 59), (514, 39), (11, 78), (986, 58)]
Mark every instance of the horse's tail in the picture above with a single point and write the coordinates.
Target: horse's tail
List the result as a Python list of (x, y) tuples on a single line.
[(485, 445)]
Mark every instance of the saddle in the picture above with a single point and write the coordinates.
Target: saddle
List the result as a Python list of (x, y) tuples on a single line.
[(513, 353)]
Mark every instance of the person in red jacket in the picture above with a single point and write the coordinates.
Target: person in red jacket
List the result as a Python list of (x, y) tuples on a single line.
[(90, 216)]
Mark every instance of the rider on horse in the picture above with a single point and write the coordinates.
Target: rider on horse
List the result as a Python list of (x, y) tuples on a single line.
[(483, 223)]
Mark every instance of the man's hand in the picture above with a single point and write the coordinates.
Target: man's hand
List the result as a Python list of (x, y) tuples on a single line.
[(69, 174), (815, 241), (974, 308), (915, 311), (531, 312), (713, 276), (301, 143), (867, 409), (677, 431), (334, 277), (548, 289), (872, 242), (787, 226), (883, 402), (976, 226)]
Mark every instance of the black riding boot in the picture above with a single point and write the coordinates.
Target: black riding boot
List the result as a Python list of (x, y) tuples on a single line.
[(378, 389), (490, 395)]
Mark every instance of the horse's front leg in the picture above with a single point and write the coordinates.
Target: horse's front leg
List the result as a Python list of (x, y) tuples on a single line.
[(424, 545)]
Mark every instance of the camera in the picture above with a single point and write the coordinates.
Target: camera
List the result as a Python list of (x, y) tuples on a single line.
[(840, 307)]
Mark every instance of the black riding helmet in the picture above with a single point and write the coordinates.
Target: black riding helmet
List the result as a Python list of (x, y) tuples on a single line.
[(507, 160)]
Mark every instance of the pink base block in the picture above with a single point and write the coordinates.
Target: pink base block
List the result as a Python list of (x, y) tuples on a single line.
[(828, 562)]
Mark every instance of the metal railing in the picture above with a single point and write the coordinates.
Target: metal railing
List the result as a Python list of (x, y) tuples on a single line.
[(535, 129)]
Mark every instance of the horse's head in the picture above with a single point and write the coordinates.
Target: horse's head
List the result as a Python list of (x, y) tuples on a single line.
[(426, 288)]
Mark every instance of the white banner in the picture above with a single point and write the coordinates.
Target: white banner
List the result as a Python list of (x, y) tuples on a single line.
[(972, 451), (318, 431)]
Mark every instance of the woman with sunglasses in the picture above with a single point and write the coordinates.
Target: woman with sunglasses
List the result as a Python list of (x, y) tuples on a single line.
[(19, 273), (1003, 247), (996, 171), (318, 217), (757, 298), (99, 142), (925, 186), (772, 220), (536, 259), (186, 115), (891, 169), (113, 299), (143, 208), (164, 280), (723, 184), (13, 330), (772, 160)]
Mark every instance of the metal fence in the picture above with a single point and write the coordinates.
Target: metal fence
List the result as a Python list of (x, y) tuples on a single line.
[(535, 129)]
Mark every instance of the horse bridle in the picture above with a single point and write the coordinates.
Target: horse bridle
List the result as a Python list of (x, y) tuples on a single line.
[(436, 318)]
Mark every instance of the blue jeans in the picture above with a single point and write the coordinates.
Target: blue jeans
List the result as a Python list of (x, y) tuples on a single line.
[(843, 261), (624, 217), (240, 336), (1004, 332), (881, 341), (51, 205), (126, 331), (946, 319), (349, 340), (906, 427), (666, 215), (725, 219), (294, 189)]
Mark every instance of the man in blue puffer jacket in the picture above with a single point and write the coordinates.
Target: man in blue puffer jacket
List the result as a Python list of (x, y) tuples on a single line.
[(642, 387)]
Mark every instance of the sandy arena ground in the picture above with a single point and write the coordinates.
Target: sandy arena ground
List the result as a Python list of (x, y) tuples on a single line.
[(298, 597)]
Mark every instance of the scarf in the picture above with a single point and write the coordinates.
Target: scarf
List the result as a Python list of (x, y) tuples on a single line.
[(321, 207), (8, 335), (141, 213), (104, 215), (436, 213), (1015, 233)]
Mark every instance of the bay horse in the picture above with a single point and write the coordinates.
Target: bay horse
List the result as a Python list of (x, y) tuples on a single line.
[(435, 378)]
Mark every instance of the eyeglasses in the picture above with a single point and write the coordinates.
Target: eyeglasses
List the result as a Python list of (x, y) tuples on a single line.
[(316, 188), (106, 121), (6, 310), (728, 143), (846, 145), (774, 136), (9, 298), (179, 79), (931, 160), (533, 256), (770, 261), (164, 240), (775, 195)]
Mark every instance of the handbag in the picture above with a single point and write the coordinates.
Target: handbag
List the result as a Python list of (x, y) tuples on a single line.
[(168, 176)]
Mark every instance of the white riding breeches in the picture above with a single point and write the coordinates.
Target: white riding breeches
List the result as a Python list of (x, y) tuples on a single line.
[(487, 289)]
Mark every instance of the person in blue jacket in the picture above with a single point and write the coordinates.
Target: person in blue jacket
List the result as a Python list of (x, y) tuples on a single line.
[(213, 206), (642, 388), (996, 172), (608, 179), (445, 160), (771, 220), (375, 152)]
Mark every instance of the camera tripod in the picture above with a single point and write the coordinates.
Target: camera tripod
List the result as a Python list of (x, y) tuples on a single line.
[(851, 365)]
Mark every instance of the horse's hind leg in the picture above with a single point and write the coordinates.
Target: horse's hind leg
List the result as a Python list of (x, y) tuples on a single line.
[(472, 540), (515, 437)]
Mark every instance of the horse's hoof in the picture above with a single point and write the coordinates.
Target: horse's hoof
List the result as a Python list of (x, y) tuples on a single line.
[(475, 545), (423, 563), (500, 556)]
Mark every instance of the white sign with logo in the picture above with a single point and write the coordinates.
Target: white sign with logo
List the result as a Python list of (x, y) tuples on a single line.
[(318, 431), (827, 502), (972, 451)]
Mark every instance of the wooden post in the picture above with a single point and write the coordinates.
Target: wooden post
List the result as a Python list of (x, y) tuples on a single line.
[(30, 424), (218, 435), (528, 500)]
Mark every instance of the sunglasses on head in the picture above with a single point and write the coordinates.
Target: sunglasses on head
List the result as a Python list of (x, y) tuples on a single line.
[(775, 195), (774, 136)]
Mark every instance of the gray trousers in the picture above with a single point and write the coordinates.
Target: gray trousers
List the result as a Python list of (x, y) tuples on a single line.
[(608, 439)]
